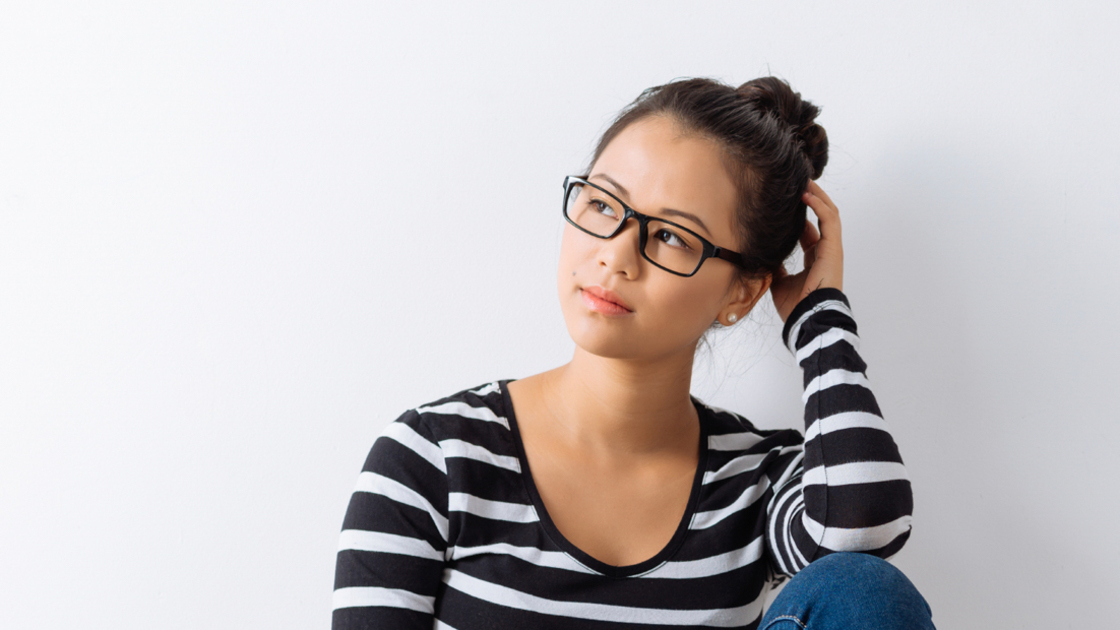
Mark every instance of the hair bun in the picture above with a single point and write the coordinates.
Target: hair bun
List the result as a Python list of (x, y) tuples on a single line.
[(776, 98)]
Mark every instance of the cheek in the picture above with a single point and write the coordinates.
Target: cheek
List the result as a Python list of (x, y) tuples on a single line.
[(576, 249), (689, 305), (567, 269)]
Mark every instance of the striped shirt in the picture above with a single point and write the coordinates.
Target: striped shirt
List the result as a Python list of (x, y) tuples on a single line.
[(445, 528)]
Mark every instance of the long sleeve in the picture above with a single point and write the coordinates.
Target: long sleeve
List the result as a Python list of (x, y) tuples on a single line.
[(849, 491), (394, 536)]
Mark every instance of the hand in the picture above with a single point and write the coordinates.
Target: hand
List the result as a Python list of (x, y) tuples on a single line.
[(824, 256)]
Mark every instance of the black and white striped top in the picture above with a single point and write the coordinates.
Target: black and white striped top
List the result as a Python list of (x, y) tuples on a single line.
[(445, 528)]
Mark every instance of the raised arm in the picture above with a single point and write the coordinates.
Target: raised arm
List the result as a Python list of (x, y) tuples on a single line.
[(849, 492), (394, 536)]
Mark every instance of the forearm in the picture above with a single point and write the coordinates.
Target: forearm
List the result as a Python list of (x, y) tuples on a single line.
[(853, 493)]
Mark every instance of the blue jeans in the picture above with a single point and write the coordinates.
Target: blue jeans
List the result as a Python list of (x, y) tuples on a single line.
[(848, 590)]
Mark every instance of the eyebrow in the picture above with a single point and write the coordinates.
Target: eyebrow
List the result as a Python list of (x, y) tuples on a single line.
[(669, 211)]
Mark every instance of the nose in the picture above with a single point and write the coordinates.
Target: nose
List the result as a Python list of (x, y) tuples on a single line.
[(621, 254)]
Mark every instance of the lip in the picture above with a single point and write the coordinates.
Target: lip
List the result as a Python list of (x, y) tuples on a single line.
[(604, 301)]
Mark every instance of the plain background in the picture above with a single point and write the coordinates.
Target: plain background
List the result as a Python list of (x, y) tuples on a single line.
[(237, 239)]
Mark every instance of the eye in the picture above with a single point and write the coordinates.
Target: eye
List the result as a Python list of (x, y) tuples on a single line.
[(671, 239), (603, 208)]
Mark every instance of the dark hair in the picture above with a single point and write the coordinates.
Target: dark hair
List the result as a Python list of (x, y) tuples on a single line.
[(771, 147)]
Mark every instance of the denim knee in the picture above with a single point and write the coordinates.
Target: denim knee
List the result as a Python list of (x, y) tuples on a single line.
[(849, 590)]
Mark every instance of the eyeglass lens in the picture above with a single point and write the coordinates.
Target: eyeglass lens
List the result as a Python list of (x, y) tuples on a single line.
[(599, 214)]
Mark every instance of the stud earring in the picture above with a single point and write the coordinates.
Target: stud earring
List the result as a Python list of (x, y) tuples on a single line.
[(731, 318)]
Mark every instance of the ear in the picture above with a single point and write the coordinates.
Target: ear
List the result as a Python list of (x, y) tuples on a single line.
[(743, 296)]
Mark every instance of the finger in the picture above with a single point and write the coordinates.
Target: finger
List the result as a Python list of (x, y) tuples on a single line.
[(816, 189), (821, 208), (809, 236), (827, 216), (809, 240)]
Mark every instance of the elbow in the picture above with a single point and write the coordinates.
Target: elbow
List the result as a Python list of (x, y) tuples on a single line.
[(867, 518), (881, 540)]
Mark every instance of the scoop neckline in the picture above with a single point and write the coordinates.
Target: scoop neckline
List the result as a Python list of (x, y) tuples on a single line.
[(570, 548)]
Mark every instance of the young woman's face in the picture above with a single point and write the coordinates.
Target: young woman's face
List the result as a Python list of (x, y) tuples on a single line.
[(656, 171)]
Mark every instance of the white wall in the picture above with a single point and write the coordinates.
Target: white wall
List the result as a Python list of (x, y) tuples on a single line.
[(235, 241)]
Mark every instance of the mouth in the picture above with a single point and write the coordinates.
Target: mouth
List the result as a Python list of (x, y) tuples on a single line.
[(604, 301)]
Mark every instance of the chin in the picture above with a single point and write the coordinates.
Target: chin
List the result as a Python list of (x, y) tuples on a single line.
[(605, 338), (602, 337), (608, 348)]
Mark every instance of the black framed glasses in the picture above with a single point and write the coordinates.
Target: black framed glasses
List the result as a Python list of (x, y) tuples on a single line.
[(665, 244)]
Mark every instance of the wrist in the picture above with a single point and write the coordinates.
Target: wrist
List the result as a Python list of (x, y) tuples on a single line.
[(807, 306)]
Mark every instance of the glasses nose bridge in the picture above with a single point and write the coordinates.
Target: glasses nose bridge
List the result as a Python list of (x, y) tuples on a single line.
[(630, 213)]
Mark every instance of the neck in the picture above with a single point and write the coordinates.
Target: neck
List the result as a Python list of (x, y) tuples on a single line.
[(616, 406)]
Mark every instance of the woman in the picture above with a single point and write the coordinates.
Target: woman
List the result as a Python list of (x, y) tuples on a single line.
[(601, 494)]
